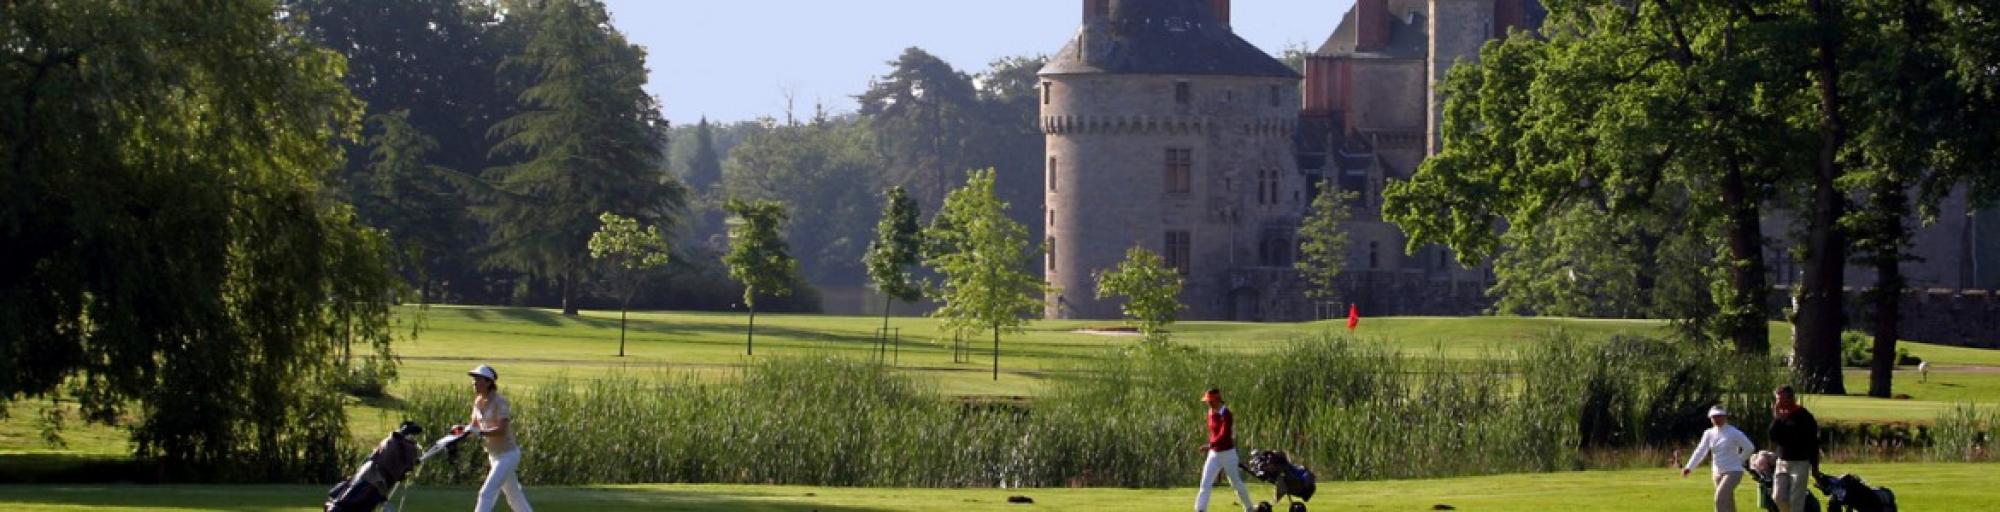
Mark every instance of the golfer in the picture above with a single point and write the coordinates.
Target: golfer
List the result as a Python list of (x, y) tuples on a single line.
[(1221, 450), (1729, 447), (492, 418), (1796, 435)]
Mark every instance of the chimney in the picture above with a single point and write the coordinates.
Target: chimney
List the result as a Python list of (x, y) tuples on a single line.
[(1096, 10), (1221, 10), (1371, 24)]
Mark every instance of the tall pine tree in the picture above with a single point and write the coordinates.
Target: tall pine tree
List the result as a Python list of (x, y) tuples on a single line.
[(589, 140)]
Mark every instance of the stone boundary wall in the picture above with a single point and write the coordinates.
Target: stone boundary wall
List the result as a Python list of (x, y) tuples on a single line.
[(1955, 317)]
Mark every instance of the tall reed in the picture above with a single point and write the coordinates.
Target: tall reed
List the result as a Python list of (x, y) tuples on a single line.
[(1349, 409)]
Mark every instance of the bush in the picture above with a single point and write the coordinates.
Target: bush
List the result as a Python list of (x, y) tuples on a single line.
[(1857, 350)]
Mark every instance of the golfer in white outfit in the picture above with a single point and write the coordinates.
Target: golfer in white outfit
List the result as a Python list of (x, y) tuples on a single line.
[(493, 419), (1730, 448)]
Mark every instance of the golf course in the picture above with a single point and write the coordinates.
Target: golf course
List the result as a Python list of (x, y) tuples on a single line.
[(533, 348)]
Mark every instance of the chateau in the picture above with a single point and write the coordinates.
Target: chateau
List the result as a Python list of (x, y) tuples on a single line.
[(1167, 131)]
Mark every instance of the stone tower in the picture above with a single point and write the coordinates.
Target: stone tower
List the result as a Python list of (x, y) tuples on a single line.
[(1167, 131)]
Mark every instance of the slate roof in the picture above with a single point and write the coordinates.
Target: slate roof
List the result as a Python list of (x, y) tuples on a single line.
[(1164, 37), (1406, 33)]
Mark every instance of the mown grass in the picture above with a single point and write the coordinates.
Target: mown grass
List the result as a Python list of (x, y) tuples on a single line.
[(1917, 486)]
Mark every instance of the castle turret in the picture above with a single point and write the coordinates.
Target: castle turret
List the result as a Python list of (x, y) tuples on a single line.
[(1167, 131)]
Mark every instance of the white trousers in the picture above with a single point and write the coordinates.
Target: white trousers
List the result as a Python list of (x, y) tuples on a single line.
[(500, 479), (1218, 462)]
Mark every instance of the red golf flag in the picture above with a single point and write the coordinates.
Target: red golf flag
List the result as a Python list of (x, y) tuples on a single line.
[(1353, 316)]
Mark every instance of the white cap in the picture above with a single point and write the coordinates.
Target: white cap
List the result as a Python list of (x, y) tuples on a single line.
[(484, 371), (1712, 411)]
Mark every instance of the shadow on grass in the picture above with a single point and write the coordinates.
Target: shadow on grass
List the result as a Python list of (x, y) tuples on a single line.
[(307, 497)]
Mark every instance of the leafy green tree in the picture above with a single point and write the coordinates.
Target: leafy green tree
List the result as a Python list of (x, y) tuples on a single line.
[(923, 113), (590, 137), (1151, 290), (825, 171), (1010, 138), (1323, 241), (897, 246), (171, 255), (705, 165), (981, 256), (757, 256), (426, 71), (632, 251)]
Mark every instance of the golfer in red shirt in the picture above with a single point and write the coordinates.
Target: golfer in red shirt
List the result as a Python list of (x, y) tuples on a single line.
[(1221, 450)]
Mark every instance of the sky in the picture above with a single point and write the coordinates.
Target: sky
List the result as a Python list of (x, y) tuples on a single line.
[(736, 60)]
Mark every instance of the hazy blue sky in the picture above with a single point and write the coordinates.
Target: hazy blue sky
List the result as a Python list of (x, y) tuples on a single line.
[(735, 59)]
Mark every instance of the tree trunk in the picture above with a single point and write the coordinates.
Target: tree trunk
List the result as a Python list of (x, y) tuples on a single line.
[(1888, 295), (750, 335), (883, 341), (569, 293), (996, 352), (1745, 310), (1816, 347), (623, 307)]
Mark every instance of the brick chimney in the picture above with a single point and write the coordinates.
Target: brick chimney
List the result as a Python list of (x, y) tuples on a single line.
[(1371, 24), (1096, 10), (1221, 10)]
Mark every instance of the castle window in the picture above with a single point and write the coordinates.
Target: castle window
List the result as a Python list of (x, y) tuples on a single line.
[(1178, 246), (1274, 96), (1274, 252), (1047, 87), (1374, 257), (1052, 174), (1180, 170), (1181, 92), (1051, 242)]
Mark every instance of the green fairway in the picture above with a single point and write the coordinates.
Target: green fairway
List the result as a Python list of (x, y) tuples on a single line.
[(1917, 486)]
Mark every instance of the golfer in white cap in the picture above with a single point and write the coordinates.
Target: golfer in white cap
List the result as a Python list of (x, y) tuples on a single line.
[(1730, 448), (493, 419)]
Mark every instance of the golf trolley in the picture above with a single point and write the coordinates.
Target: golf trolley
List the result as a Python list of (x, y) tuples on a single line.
[(375, 483), (1293, 481)]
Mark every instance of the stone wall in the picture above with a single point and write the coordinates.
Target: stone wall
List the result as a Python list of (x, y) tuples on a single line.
[(1962, 318)]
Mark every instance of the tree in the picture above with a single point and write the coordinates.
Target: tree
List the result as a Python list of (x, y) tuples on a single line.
[(1323, 241), (1011, 140), (424, 69), (590, 137), (632, 251), (981, 255), (1151, 291), (923, 114), (169, 245), (895, 250), (757, 256), (823, 170), (704, 166), (1627, 112)]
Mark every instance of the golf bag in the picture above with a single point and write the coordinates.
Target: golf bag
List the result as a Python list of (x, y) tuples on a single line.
[(371, 485), (1847, 493), (1291, 480)]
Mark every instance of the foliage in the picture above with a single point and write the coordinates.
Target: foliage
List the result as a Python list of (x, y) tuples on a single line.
[(591, 138), (425, 70), (169, 246), (1151, 290), (632, 251), (757, 255), (824, 171), (1858, 351), (922, 114), (1587, 262), (1323, 240), (981, 255)]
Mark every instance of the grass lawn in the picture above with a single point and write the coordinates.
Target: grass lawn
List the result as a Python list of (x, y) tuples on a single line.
[(1917, 486)]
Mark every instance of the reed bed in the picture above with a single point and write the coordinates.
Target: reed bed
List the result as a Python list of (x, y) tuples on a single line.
[(1349, 409)]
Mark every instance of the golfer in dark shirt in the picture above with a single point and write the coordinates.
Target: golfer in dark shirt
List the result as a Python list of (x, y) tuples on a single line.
[(1796, 435)]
